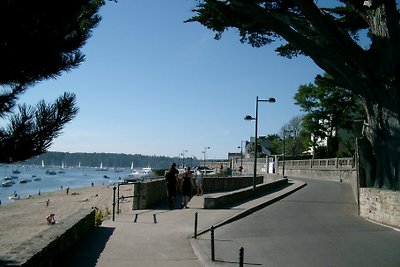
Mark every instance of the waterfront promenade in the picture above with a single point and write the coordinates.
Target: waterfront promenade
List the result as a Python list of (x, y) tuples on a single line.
[(167, 242), (307, 228)]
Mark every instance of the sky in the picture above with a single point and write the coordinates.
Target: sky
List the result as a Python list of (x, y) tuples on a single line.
[(154, 85)]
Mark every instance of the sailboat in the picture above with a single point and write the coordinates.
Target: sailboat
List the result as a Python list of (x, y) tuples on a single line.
[(62, 167), (101, 168)]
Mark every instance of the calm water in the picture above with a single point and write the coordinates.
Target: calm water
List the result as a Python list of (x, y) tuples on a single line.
[(67, 177)]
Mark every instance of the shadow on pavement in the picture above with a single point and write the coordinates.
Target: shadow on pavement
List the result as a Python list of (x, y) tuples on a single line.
[(86, 253)]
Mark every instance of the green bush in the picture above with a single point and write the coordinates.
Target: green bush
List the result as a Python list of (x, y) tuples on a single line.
[(100, 216)]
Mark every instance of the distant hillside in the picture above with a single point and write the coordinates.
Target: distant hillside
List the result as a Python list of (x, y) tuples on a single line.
[(109, 160)]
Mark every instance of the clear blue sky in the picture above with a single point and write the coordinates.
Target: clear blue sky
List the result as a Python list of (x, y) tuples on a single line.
[(154, 85)]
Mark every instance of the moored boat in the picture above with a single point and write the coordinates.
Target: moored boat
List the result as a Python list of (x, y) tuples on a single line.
[(7, 183)]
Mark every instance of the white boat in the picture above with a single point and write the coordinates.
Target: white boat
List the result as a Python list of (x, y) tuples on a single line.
[(7, 183), (62, 168), (135, 175), (101, 168)]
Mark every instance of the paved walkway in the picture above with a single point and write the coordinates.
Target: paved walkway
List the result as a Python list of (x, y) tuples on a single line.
[(160, 237)]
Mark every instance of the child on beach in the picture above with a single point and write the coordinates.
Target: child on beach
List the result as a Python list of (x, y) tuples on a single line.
[(50, 219)]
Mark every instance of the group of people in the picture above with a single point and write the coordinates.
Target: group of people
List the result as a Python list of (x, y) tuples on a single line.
[(185, 184)]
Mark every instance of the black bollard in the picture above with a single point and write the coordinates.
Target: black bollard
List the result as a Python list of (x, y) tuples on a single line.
[(154, 218), (136, 217), (212, 244), (118, 199), (195, 225), (113, 218), (241, 256)]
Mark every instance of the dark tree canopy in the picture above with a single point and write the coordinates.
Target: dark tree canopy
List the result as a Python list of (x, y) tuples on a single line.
[(330, 37), (39, 40), (328, 108)]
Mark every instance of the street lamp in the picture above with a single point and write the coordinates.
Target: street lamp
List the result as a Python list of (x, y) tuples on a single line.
[(183, 157), (250, 118), (241, 156), (204, 152), (284, 150)]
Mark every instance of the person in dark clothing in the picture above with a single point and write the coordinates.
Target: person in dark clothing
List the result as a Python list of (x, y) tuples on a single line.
[(172, 183), (187, 186)]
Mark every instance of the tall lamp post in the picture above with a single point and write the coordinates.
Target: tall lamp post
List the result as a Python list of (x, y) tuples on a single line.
[(241, 156), (284, 150), (250, 118), (183, 157), (204, 152)]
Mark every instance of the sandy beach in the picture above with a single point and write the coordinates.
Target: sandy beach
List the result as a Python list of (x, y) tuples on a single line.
[(25, 218)]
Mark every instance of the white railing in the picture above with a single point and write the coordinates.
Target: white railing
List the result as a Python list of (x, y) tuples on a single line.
[(332, 163)]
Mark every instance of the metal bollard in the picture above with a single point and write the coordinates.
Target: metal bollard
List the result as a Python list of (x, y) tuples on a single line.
[(136, 217), (118, 199), (113, 204), (241, 256), (212, 244), (195, 225), (154, 218)]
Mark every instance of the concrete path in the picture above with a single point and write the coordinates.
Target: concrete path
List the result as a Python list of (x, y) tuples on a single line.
[(316, 226), (160, 237)]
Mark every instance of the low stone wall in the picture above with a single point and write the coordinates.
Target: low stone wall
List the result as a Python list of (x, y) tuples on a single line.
[(380, 205), (223, 184), (348, 175), (44, 249), (337, 175), (153, 191), (220, 200), (149, 193)]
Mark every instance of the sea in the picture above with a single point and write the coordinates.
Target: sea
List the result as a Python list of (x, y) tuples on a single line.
[(37, 180)]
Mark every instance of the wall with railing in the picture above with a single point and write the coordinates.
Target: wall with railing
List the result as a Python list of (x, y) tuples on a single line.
[(329, 164), (331, 169)]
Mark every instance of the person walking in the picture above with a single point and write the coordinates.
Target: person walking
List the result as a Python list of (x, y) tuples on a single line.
[(199, 182), (187, 186), (171, 178)]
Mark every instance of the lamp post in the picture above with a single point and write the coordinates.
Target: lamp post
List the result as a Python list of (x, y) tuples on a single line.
[(284, 150), (241, 157), (183, 157), (248, 117), (204, 152)]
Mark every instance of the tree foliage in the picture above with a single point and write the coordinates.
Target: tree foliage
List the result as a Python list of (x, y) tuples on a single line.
[(331, 36), (39, 40), (328, 108), (296, 140)]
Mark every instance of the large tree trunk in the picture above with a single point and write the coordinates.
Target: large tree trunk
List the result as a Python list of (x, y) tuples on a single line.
[(381, 95), (383, 133)]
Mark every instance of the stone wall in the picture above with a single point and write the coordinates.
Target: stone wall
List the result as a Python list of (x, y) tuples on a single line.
[(49, 247), (220, 200), (223, 184), (149, 193), (153, 191), (380, 205)]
